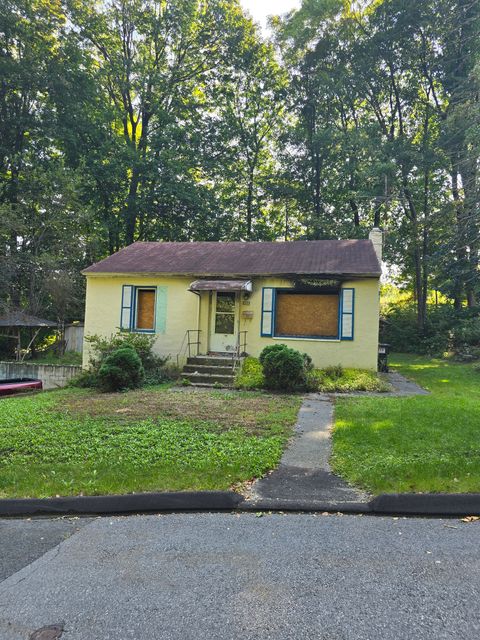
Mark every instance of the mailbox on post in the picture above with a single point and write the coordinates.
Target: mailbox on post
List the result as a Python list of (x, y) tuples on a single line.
[(383, 349)]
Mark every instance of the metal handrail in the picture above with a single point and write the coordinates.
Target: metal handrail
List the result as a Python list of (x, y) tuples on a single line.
[(192, 343), (240, 348), (187, 344)]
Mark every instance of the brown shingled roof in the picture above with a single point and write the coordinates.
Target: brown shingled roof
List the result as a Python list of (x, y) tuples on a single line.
[(303, 257)]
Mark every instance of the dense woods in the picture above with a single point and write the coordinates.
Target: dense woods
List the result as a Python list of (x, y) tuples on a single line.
[(128, 120)]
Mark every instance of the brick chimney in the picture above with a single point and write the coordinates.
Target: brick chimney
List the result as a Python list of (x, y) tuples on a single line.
[(376, 236)]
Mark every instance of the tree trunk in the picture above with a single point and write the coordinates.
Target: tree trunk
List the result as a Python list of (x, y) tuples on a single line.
[(250, 205), (131, 209), (459, 240)]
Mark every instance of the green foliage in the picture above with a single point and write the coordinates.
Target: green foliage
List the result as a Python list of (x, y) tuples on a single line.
[(50, 357), (142, 343), (84, 380), (273, 348), (250, 375), (334, 371), (333, 379), (121, 369), (338, 380), (121, 121), (283, 369), (307, 362), (48, 451), (447, 330), (417, 444), (156, 369)]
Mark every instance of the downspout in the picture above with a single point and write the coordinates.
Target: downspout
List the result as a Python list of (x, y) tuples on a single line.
[(198, 317)]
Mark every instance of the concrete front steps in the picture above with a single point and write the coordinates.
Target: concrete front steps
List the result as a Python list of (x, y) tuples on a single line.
[(205, 371)]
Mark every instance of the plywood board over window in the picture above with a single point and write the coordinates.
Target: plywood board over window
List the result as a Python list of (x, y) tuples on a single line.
[(145, 309), (306, 315)]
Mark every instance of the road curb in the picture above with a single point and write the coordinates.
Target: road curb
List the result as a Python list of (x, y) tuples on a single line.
[(123, 504), (414, 504), (428, 504)]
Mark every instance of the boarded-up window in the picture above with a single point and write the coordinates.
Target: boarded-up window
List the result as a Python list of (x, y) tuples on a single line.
[(145, 309), (306, 315)]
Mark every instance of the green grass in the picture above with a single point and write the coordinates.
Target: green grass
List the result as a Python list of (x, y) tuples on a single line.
[(416, 444), (76, 441)]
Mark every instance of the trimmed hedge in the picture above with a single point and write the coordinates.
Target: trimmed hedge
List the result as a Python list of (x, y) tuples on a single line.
[(122, 369)]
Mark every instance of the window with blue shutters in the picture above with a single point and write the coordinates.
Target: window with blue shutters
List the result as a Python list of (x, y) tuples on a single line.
[(347, 314), (143, 309), (268, 310), (161, 313), (126, 315)]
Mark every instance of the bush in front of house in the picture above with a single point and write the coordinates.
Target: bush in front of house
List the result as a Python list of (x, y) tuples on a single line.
[(156, 369), (250, 375), (283, 368), (141, 343), (86, 379), (121, 369), (272, 348)]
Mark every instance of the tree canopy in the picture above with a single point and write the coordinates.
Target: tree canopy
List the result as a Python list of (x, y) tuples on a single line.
[(129, 120)]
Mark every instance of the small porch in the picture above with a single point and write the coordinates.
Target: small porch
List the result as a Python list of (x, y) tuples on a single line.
[(214, 349)]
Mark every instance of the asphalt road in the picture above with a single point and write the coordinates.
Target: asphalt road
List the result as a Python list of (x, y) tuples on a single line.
[(222, 576), (23, 541)]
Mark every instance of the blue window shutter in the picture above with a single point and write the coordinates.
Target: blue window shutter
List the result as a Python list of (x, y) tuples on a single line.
[(161, 310), (347, 314), (126, 314), (268, 307)]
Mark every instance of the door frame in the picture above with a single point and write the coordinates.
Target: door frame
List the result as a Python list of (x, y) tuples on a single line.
[(211, 323)]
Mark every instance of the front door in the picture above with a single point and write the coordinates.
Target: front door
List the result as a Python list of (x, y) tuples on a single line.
[(222, 333)]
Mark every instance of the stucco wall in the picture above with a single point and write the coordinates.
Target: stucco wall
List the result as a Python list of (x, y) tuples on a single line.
[(103, 302), (361, 352), (53, 376), (186, 310)]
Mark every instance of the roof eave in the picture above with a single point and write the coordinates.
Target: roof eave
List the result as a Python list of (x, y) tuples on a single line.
[(196, 274)]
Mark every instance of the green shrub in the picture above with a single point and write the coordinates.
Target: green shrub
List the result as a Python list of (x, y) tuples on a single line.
[(156, 368), (313, 380), (162, 374), (338, 380), (122, 369), (334, 371), (250, 375), (273, 348), (284, 369), (84, 380), (307, 362), (140, 342)]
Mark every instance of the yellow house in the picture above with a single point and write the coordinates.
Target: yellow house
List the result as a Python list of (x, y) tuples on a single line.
[(227, 299)]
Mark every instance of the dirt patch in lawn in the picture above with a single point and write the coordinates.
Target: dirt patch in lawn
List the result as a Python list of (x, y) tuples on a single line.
[(255, 412)]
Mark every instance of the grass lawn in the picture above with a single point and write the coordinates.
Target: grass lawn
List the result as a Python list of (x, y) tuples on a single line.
[(77, 441), (417, 444)]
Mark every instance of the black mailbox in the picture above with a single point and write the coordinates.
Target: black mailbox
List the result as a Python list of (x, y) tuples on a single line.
[(383, 350)]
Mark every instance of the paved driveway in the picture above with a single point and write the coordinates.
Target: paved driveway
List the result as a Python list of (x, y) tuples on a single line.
[(222, 576)]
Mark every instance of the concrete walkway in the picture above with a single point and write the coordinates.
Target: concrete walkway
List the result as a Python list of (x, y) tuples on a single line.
[(304, 476)]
